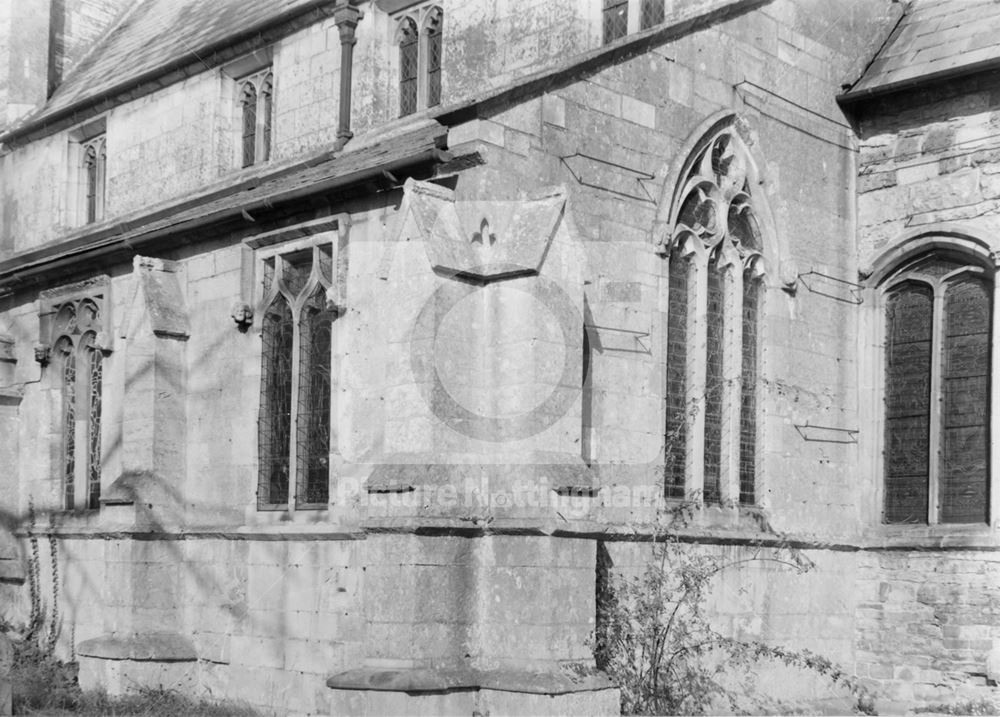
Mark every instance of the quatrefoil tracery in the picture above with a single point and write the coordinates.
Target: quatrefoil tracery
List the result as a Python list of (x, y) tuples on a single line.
[(716, 203)]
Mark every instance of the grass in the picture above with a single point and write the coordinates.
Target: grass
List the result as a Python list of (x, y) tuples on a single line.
[(44, 685), (145, 702), (981, 706)]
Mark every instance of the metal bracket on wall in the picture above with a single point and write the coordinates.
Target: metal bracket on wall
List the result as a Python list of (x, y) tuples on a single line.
[(609, 176), (638, 335), (831, 287), (826, 434)]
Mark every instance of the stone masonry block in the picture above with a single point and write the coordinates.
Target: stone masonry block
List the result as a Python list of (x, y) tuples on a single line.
[(638, 111), (554, 110)]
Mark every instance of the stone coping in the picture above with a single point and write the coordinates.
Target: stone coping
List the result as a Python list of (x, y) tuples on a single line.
[(942, 539), (553, 682), (148, 647)]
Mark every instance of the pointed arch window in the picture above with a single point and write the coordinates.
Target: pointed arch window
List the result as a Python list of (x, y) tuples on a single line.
[(94, 170), (420, 39), (937, 353), (715, 295), (294, 436), (78, 373), (256, 106)]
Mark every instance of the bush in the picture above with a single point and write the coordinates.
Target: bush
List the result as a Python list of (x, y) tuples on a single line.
[(656, 642)]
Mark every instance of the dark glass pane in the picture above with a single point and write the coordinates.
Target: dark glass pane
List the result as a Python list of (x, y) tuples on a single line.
[(274, 428), (965, 364), (748, 391), (615, 19), (675, 443), (268, 112), (715, 325), (91, 167), (909, 315), (249, 124), (434, 50), (64, 349), (313, 419), (94, 430), (652, 13), (408, 69)]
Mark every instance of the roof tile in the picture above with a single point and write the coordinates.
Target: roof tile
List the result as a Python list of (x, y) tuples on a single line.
[(935, 36), (153, 35)]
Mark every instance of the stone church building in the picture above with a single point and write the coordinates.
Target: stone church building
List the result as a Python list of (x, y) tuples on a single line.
[(339, 338)]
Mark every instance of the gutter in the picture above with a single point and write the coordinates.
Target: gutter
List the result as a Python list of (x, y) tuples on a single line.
[(855, 96), (127, 236)]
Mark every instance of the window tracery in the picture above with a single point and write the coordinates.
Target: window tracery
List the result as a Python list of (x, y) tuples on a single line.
[(255, 94), (75, 328), (294, 423), (715, 262)]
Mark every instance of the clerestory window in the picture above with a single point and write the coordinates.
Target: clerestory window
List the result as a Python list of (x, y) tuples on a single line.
[(621, 17), (420, 40), (937, 353), (255, 96), (294, 435), (715, 270)]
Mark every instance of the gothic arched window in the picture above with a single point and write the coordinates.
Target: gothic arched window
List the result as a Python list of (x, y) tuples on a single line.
[(78, 365), (294, 422), (94, 171), (408, 66), (256, 104), (715, 293), (938, 318), (420, 38)]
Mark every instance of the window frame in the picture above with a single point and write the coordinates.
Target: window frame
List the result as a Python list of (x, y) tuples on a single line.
[(88, 347), (717, 244), (427, 21), (637, 14), (264, 297), (262, 83), (88, 143), (898, 272)]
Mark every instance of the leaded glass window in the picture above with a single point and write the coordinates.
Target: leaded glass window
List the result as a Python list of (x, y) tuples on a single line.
[(256, 107), (711, 391), (66, 366), (77, 371), (435, 47), (94, 378), (652, 13), (614, 20), (294, 431), (677, 384), (715, 322), (420, 39), (748, 387), (94, 171), (408, 64), (936, 389)]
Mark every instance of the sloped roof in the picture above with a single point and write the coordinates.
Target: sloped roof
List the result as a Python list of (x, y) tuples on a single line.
[(422, 143), (934, 39), (154, 37)]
